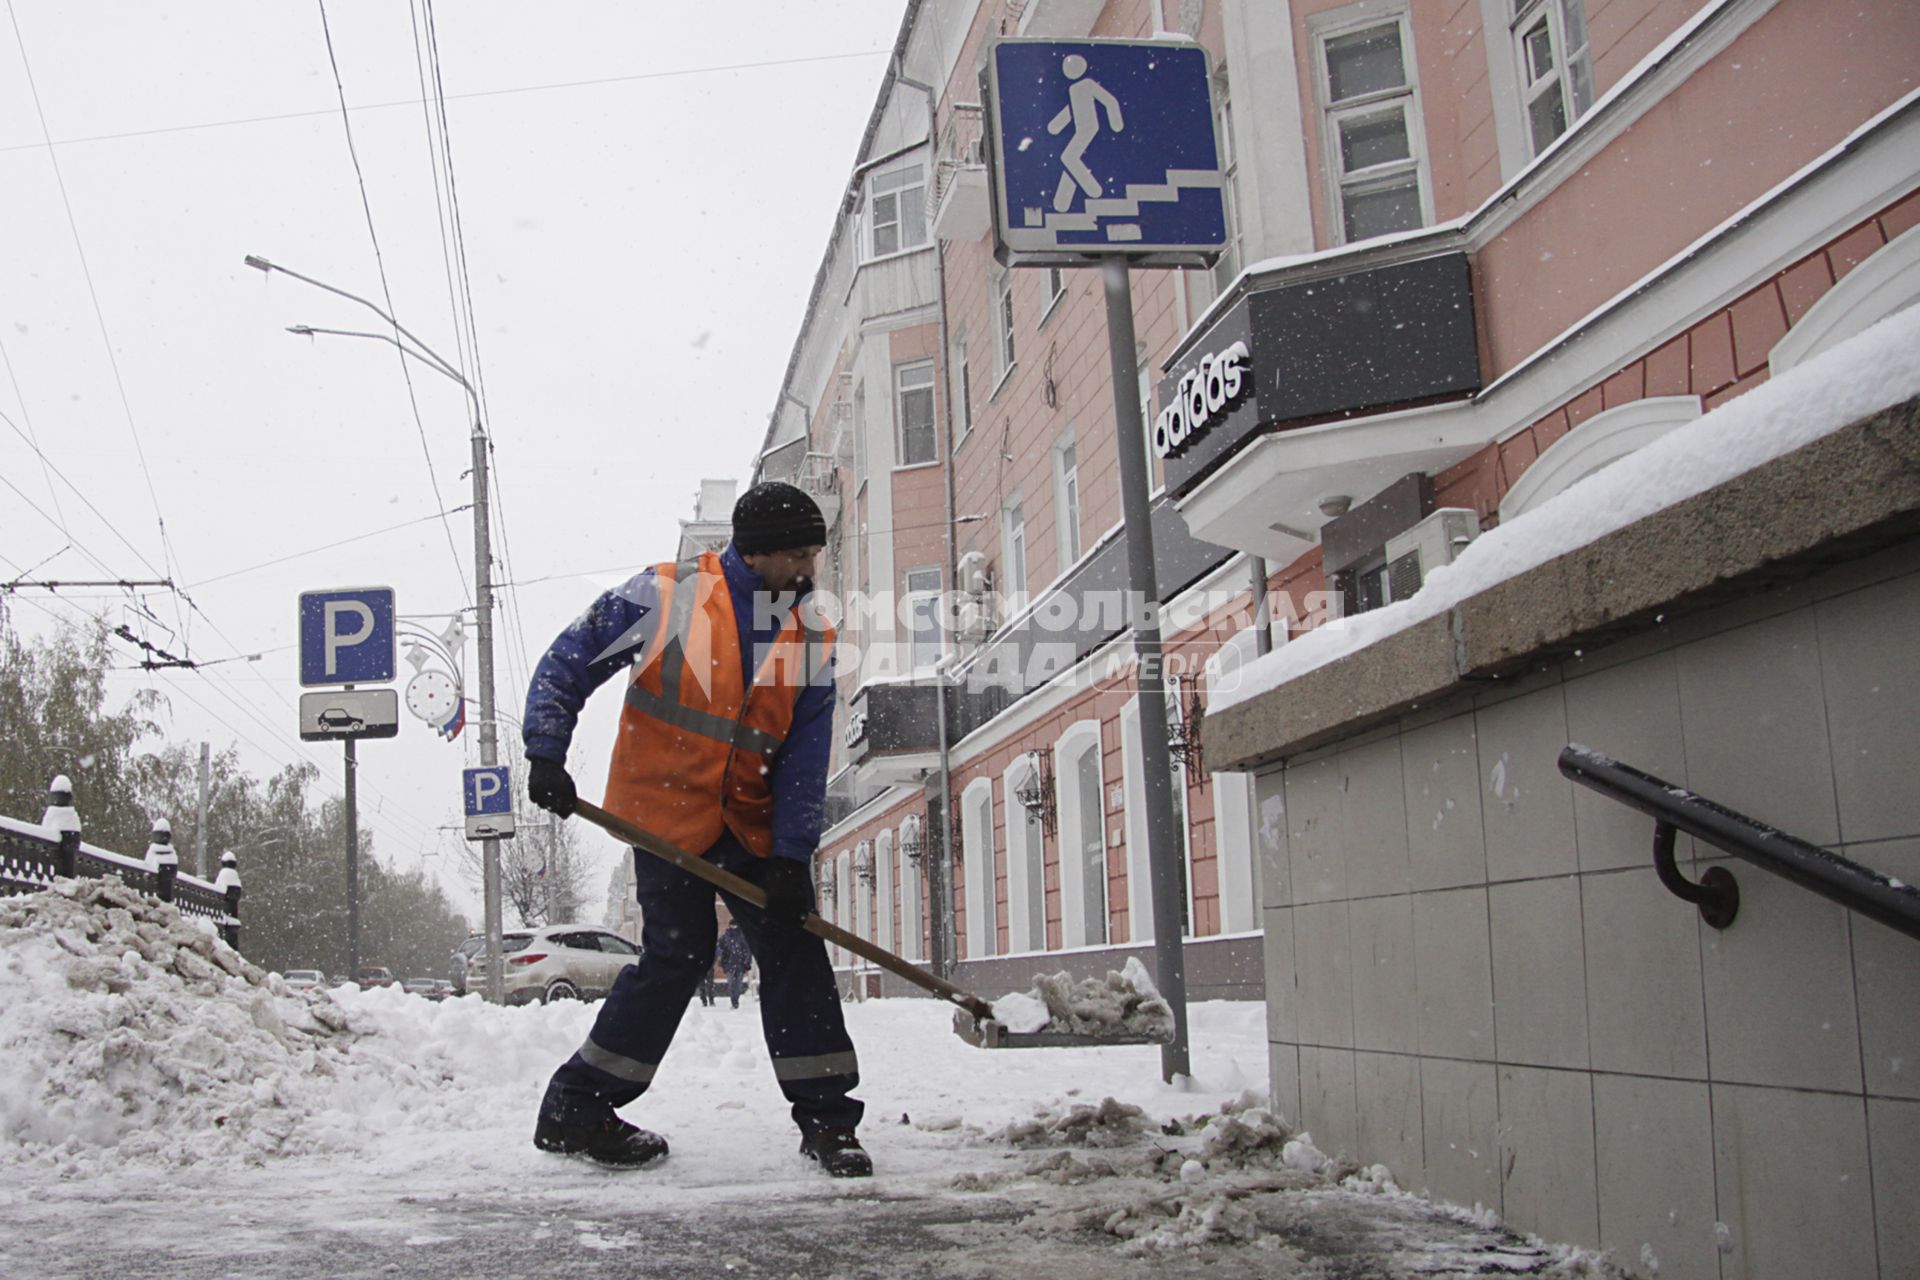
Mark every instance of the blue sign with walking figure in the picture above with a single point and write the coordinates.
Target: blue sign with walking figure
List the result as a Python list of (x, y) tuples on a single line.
[(1104, 147)]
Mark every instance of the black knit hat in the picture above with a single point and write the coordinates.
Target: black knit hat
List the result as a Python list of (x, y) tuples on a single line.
[(776, 516)]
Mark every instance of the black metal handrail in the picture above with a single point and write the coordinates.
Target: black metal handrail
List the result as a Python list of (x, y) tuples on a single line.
[(1672, 808)]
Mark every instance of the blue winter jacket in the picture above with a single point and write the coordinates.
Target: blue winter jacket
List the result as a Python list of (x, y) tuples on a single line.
[(608, 637)]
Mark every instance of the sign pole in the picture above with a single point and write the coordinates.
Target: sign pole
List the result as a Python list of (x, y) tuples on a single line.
[(1163, 837), (353, 867), (489, 726)]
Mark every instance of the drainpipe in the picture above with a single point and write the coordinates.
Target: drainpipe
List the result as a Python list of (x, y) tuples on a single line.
[(1262, 619), (940, 955)]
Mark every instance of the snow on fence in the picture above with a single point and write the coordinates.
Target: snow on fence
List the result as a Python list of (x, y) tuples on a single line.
[(33, 855)]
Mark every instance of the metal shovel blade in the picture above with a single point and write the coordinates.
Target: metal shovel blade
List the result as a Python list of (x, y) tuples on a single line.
[(986, 1033)]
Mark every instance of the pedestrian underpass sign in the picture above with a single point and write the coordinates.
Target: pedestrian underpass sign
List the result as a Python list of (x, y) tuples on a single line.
[(489, 803), (1104, 147), (347, 636)]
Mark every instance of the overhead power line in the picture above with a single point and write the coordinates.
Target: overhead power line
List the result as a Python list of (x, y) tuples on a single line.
[(93, 294), (386, 291), (669, 74)]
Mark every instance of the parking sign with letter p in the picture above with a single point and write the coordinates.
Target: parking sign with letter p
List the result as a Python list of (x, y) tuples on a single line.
[(347, 636)]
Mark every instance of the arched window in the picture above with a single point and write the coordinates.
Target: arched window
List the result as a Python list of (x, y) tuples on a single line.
[(976, 851), (843, 896), (1139, 861), (1602, 439), (913, 838), (863, 890), (1233, 804), (1026, 862), (1078, 778), (883, 887), (1886, 283)]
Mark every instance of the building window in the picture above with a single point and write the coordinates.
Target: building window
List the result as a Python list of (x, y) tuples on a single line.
[(1372, 138), (1066, 491), (976, 852), (913, 411), (1013, 534), (1056, 289), (923, 616), (1003, 352), (1228, 265), (1146, 412), (962, 392), (897, 210), (859, 428), (1556, 73)]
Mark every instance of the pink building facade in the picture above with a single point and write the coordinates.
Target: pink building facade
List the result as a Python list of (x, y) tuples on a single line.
[(1481, 248)]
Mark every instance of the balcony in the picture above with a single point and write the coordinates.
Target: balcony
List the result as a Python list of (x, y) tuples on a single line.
[(960, 202), (819, 476)]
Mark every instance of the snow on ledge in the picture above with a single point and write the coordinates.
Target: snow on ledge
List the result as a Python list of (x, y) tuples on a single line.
[(1878, 368)]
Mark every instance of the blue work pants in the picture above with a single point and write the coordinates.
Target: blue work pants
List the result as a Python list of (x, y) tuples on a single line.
[(813, 1058)]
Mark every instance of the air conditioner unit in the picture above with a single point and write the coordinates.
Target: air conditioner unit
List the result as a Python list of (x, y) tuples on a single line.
[(1435, 541)]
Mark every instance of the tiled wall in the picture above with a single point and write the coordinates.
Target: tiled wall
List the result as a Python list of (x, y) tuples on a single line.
[(1475, 978)]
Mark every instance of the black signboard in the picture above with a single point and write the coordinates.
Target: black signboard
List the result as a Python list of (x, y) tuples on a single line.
[(1367, 340)]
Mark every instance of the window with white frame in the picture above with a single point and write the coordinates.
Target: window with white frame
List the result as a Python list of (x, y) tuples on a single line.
[(962, 392), (913, 413), (1003, 347), (1146, 411), (897, 210), (922, 601), (1228, 265), (1056, 287), (859, 429), (1066, 499), (1372, 129), (911, 842), (1556, 71), (1013, 538), (883, 887), (976, 851)]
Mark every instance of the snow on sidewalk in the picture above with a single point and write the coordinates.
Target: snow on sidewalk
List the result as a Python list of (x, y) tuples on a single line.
[(150, 1076)]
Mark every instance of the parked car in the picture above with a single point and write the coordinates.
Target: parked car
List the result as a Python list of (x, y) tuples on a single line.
[(557, 962), (305, 979), (442, 989), (428, 987), (462, 954), (373, 975)]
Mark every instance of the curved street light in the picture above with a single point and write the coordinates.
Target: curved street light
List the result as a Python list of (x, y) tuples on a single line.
[(482, 573)]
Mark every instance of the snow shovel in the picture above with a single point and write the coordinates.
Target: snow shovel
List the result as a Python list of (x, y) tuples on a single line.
[(973, 1021)]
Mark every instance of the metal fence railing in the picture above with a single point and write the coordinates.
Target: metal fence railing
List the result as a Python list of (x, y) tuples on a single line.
[(34, 855)]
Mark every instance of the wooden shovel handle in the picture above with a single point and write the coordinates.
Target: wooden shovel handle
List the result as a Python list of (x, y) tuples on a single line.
[(728, 883)]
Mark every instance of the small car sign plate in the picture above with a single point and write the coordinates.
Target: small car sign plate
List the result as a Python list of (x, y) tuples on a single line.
[(349, 713)]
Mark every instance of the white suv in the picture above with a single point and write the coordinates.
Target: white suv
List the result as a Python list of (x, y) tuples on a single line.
[(557, 962)]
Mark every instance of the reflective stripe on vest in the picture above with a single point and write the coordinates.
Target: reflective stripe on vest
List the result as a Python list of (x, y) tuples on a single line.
[(666, 708), (666, 705)]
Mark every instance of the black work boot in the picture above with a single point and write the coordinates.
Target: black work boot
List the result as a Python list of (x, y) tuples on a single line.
[(838, 1152), (610, 1141)]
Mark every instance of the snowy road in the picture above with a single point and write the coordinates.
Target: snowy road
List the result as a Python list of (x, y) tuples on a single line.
[(165, 1117)]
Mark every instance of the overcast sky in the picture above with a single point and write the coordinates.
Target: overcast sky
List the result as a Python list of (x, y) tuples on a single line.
[(643, 210)]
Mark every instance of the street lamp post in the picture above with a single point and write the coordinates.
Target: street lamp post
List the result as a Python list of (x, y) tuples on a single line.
[(482, 575)]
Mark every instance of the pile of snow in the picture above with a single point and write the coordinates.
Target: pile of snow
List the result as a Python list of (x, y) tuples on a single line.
[(125, 1026), (131, 1033), (1242, 1176), (1123, 1004)]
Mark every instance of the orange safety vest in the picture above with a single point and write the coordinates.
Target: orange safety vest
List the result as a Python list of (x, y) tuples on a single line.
[(695, 742)]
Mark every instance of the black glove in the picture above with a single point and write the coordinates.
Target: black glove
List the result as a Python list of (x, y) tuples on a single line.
[(788, 883), (550, 786)]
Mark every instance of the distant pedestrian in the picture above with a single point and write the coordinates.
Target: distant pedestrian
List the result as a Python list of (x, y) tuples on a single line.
[(736, 958), (708, 988)]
